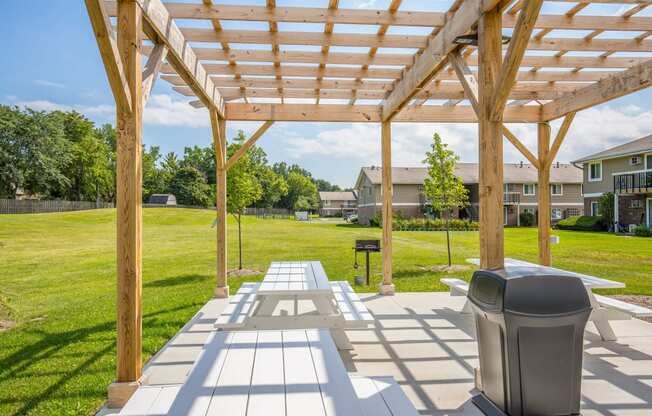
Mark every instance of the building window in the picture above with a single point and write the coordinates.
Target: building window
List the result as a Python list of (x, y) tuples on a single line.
[(648, 161), (327, 203), (595, 171), (556, 213), (595, 209), (572, 212), (529, 189), (636, 203), (556, 189)]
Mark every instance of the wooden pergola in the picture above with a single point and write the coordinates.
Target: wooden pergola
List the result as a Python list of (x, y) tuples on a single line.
[(461, 70)]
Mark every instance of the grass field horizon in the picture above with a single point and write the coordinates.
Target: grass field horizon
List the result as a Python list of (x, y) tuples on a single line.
[(58, 284)]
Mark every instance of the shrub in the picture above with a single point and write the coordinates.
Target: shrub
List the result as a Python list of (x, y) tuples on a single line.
[(526, 219), (642, 231), (582, 223), (376, 220), (436, 224)]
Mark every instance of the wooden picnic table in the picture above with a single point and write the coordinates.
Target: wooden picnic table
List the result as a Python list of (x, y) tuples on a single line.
[(337, 306), (600, 314), (272, 373)]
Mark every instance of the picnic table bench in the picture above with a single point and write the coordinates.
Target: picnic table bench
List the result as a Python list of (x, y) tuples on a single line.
[(605, 309), (272, 373), (337, 306)]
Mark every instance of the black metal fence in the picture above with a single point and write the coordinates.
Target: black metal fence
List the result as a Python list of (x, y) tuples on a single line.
[(32, 206), (270, 213), (633, 182)]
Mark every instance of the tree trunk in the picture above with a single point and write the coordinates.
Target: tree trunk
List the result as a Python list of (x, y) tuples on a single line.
[(448, 238), (239, 241)]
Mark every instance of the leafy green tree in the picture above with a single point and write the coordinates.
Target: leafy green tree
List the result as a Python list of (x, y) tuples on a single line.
[(190, 187), (299, 186), (325, 186), (274, 187), (242, 190), (302, 204), (442, 187), (154, 179)]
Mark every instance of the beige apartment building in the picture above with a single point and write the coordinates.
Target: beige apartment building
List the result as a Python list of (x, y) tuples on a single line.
[(625, 170), (520, 192), (337, 204)]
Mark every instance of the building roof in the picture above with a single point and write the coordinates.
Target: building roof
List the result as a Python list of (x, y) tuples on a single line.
[(644, 144), (337, 196), (162, 199), (512, 173)]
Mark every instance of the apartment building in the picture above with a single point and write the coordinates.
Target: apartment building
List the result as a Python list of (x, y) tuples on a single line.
[(520, 192)]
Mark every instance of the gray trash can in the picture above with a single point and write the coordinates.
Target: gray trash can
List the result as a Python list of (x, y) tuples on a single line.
[(530, 331)]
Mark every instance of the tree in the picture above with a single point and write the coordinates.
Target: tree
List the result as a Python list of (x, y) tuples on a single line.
[(299, 186), (190, 187), (606, 204), (442, 187), (242, 190), (154, 180)]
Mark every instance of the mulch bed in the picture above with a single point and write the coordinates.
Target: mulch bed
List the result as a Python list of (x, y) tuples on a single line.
[(243, 272)]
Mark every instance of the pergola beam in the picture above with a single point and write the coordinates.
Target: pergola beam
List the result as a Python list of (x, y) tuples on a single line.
[(370, 113), (559, 139), (385, 17), (160, 28), (152, 69), (514, 55), (431, 60), (108, 47), (247, 145), (356, 58), (379, 73), (626, 82), (470, 84)]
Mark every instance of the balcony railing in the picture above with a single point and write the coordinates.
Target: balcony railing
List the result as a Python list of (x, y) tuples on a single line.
[(511, 198), (633, 182)]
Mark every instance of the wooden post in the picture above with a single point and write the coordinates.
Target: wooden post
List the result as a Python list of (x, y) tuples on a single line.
[(129, 210), (543, 192), (491, 142), (219, 144), (387, 287)]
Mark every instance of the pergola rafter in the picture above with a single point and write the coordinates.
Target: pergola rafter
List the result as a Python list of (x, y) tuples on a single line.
[(457, 71)]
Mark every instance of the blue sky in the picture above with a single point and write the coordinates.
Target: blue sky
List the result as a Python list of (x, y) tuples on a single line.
[(53, 63)]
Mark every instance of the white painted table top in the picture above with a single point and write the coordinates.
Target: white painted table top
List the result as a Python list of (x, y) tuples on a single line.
[(295, 277), (592, 282), (268, 373)]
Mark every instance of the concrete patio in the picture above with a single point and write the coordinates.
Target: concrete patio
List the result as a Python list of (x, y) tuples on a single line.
[(423, 341)]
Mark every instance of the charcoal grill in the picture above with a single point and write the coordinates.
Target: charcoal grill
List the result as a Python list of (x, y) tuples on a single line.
[(365, 246)]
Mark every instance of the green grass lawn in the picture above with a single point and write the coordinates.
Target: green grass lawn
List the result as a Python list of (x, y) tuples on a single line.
[(57, 282)]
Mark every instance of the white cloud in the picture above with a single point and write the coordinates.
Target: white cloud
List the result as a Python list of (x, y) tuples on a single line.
[(367, 4), (163, 109), (592, 130), (46, 83)]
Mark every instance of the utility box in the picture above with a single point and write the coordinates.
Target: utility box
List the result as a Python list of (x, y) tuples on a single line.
[(530, 331)]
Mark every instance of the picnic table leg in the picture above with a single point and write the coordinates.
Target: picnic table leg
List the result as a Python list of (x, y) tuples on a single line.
[(599, 318), (326, 306), (266, 306)]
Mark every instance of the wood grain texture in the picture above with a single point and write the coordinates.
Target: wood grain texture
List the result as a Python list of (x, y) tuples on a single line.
[(491, 144), (129, 199), (387, 194), (370, 113), (543, 193), (218, 125)]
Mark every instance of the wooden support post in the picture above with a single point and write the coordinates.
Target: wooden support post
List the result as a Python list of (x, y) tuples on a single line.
[(543, 192), (219, 143), (491, 143), (387, 287), (129, 209)]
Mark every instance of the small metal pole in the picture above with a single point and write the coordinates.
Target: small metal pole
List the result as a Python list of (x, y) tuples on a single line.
[(367, 253)]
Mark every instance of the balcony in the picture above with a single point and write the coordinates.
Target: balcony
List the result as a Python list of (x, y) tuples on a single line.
[(631, 183), (511, 198)]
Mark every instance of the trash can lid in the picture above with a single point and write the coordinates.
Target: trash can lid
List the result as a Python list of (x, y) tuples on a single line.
[(527, 291)]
